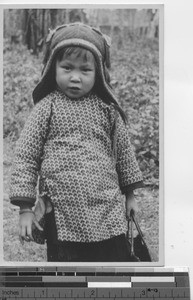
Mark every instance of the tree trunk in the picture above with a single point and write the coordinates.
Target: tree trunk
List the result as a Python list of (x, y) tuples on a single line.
[(27, 34), (67, 16)]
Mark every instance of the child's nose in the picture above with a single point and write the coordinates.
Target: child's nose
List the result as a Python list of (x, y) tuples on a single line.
[(75, 77)]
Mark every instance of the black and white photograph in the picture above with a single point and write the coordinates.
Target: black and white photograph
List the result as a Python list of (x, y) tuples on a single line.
[(83, 134)]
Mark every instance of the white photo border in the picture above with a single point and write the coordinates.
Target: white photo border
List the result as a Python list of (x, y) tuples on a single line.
[(160, 261)]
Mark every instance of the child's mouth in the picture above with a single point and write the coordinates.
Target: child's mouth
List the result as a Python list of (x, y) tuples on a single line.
[(74, 88)]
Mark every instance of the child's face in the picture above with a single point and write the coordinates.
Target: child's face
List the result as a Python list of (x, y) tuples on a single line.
[(75, 76)]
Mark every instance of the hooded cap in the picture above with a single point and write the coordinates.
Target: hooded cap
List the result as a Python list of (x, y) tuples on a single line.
[(80, 35)]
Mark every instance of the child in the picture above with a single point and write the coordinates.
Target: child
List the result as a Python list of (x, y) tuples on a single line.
[(76, 141)]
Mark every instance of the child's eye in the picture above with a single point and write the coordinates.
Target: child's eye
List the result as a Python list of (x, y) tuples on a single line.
[(67, 68), (87, 70)]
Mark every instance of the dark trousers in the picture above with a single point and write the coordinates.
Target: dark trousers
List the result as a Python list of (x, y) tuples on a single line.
[(111, 250)]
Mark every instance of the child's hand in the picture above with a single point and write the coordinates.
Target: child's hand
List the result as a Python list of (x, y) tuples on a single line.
[(131, 204), (25, 226)]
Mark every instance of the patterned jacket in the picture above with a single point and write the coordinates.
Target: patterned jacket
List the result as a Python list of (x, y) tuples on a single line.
[(68, 144)]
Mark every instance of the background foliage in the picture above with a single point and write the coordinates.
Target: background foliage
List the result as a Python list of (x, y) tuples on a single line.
[(135, 78)]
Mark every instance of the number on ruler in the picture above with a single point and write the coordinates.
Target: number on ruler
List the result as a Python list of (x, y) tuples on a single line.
[(143, 293), (92, 293)]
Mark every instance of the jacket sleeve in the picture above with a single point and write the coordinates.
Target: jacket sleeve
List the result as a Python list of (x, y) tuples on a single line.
[(130, 176), (28, 155)]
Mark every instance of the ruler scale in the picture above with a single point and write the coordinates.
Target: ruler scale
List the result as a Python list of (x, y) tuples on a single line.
[(56, 283)]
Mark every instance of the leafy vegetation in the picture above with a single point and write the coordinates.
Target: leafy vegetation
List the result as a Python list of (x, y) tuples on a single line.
[(135, 78), (136, 81)]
